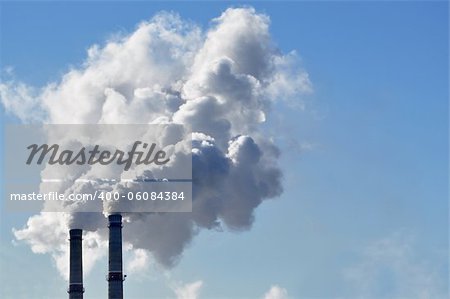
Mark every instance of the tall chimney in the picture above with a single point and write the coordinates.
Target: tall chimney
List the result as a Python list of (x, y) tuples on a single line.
[(115, 275), (76, 289)]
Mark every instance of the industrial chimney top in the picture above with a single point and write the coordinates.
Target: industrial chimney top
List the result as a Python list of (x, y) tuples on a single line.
[(75, 233), (115, 219)]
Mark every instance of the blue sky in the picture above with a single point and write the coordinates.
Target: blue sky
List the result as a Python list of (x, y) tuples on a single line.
[(364, 164)]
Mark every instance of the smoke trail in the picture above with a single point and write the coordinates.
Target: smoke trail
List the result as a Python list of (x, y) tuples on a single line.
[(220, 82)]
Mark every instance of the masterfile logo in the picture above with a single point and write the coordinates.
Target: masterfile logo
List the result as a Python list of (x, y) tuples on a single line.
[(127, 168), (94, 156)]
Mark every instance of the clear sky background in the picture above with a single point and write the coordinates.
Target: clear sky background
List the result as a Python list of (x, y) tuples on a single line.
[(365, 207)]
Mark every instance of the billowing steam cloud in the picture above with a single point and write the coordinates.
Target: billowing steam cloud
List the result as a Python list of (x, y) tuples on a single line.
[(221, 82)]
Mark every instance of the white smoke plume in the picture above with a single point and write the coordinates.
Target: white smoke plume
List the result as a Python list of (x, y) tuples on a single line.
[(189, 290), (221, 82), (276, 292)]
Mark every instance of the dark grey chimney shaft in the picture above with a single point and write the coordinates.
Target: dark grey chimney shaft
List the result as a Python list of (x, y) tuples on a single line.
[(115, 275), (76, 289)]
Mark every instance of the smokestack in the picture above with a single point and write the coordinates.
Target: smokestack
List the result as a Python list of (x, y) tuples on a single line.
[(76, 289), (115, 275)]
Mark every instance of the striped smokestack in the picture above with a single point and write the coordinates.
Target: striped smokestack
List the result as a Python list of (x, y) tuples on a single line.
[(76, 289), (115, 275)]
